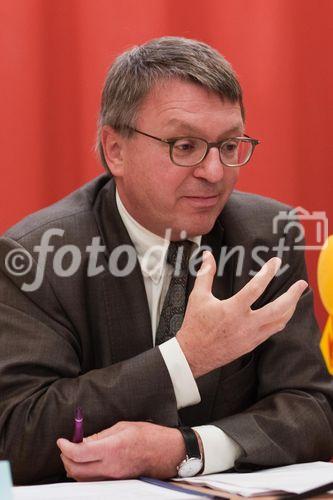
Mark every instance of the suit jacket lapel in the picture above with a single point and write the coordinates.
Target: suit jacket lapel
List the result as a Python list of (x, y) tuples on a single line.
[(127, 311)]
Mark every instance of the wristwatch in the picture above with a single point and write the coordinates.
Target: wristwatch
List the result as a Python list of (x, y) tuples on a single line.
[(193, 463)]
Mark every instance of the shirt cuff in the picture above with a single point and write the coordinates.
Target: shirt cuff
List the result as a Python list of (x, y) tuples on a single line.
[(184, 384), (220, 451)]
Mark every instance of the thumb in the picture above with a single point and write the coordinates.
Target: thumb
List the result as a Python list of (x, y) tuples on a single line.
[(205, 275)]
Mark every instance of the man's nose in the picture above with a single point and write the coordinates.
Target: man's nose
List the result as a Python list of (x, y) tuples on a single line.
[(211, 168)]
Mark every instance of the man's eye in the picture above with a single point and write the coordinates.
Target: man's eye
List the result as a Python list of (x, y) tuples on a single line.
[(185, 146), (230, 147)]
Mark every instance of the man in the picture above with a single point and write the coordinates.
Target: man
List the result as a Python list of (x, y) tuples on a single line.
[(230, 378)]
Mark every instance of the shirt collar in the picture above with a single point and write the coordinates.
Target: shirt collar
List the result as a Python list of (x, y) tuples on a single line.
[(151, 248)]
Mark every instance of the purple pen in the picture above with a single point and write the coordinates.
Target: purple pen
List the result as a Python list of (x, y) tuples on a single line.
[(78, 426)]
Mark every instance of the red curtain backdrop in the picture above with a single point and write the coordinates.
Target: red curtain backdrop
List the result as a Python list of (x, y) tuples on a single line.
[(54, 56)]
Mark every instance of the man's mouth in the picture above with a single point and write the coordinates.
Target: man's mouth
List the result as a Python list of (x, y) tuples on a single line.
[(202, 201)]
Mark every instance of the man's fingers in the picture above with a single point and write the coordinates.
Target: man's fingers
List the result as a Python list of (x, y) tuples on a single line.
[(273, 327), (254, 288), (89, 471), (206, 273), (270, 329), (276, 310), (81, 452)]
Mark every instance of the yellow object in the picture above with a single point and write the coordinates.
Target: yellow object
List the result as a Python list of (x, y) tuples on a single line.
[(326, 344), (325, 285)]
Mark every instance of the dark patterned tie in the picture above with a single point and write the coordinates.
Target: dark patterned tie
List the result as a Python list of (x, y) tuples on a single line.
[(173, 311)]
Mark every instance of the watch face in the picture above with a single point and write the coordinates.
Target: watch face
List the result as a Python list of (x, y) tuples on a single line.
[(189, 467)]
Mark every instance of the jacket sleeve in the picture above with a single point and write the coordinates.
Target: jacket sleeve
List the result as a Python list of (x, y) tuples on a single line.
[(41, 381)]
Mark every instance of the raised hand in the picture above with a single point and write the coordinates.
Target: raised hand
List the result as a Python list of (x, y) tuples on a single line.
[(215, 332)]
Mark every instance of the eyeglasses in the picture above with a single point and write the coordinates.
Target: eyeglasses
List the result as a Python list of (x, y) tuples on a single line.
[(190, 151)]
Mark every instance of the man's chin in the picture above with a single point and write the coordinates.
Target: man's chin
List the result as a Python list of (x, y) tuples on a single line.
[(194, 228)]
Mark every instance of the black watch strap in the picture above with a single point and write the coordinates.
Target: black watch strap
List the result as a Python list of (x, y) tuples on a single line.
[(191, 442)]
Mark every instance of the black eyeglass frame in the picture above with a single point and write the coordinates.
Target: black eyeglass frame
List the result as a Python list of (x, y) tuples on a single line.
[(218, 145)]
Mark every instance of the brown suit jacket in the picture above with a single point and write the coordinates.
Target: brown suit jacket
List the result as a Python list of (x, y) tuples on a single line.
[(87, 341)]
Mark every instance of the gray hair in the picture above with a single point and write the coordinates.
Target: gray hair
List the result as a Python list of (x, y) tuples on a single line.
[(135, 72)]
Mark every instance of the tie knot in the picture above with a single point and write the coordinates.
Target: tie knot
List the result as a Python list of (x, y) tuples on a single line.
[(179, 253)]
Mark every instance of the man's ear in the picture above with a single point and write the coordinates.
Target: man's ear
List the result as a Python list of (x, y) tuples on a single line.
[(112, 143)]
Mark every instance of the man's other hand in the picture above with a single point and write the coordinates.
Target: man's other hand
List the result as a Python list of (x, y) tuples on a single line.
[(126, 450), (216, 332)]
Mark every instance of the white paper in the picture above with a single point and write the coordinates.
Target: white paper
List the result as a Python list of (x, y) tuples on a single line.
[(292, 479), (100, 490)]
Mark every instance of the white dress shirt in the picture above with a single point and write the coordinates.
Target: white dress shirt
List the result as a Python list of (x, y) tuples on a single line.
[(220, 451)]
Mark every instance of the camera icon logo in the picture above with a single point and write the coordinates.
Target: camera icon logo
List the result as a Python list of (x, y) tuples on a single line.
[(311, 226)]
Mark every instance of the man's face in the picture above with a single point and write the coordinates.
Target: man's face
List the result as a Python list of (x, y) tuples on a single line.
[(161, 195)]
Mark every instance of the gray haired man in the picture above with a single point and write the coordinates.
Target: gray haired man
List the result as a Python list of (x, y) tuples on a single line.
[(176, 374)]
